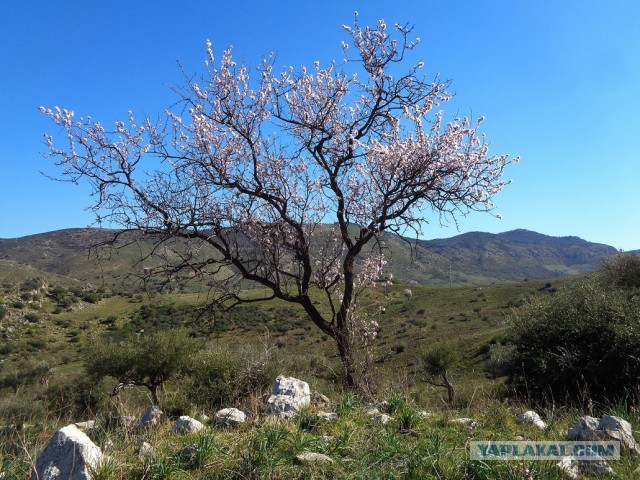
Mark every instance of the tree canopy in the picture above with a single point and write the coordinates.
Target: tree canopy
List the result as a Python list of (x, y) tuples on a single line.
[(251, 164)]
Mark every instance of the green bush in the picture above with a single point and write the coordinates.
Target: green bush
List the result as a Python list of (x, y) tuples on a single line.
[(622, 270), (219, 376), (74, 398), (580, 343), (436, 365), (211, 377), (148, 360)]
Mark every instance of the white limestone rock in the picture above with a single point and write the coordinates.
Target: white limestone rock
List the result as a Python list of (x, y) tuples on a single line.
[(608, 427), (290, 395), (186, 424), (229, 416), (531, 417), (69, 455)]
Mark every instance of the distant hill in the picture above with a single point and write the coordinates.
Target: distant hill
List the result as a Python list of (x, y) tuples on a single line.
[(68, 253), (518, 254), (468, 259)]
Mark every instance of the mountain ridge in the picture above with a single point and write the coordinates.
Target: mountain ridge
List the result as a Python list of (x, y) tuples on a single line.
[(472, 258)]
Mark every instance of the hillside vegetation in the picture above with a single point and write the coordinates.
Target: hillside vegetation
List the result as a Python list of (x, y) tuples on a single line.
[(467, 259), (67, 347)]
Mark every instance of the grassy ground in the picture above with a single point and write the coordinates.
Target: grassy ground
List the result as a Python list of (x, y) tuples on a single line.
[(48, 355), (413, 445)]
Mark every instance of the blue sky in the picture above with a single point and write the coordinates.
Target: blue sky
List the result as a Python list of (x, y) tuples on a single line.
[(558, 83)]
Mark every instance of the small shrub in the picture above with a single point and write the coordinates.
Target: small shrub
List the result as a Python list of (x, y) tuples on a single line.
[(91, 297), (31, 284), (110, 320), (37, 344), (418, 322), (399, 347), (580, 342), (219, 376)]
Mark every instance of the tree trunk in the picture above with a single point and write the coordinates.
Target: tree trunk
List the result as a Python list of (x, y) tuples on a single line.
[(353, 377), (451, 393), (154, 394)]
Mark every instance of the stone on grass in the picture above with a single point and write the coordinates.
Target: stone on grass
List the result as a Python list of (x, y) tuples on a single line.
[(531, 417), (321, 417), (230, 416), (469, 422), (145, 450), (329, 417), (290, 395), (186, 424), (609, 427), (151, 417), (307, 458), (372, 411), (69, 455), (569, 466), (576, 469), (382, 419), (319, 400), (189, 451)]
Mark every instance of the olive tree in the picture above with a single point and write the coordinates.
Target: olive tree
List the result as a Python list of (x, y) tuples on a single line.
[(436, 365), (286, 179), (147, 360)]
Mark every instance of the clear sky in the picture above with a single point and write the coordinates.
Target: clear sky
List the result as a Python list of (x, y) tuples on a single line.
[(558, 83)]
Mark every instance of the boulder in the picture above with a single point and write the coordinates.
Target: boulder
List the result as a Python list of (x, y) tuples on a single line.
[(576, 469), (607, 428), (69, 455), (186, 424), (289, 396), (531, 417), (151, 417), (229, 416)]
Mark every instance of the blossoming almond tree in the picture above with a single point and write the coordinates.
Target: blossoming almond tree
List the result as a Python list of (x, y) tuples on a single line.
[(286, 179)]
